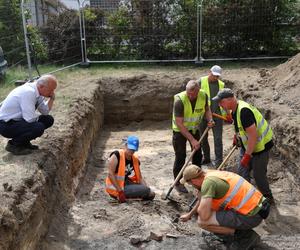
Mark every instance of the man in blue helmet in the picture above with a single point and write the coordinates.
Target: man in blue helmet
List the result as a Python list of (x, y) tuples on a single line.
[(124, 178)]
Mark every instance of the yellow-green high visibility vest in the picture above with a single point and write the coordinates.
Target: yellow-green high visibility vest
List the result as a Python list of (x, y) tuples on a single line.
[(263, 129), (191, 120), (205, 87)]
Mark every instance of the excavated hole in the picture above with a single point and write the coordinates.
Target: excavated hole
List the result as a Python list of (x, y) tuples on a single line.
[(142, 105)]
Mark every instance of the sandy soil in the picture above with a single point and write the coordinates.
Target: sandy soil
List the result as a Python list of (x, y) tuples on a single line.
[(95, 221), (140, 102)]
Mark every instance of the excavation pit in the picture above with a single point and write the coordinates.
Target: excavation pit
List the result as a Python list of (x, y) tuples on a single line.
[(57, 199)]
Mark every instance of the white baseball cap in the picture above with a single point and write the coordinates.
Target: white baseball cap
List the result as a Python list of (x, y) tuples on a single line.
[(216, 70)]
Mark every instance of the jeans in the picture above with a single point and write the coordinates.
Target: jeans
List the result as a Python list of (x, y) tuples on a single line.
[(22, 132), (179, 145)]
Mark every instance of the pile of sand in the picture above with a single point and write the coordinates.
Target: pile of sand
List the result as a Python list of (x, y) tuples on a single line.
[(285, 83)]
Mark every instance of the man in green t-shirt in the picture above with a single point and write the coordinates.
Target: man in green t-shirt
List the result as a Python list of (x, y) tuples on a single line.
[(228, 206)]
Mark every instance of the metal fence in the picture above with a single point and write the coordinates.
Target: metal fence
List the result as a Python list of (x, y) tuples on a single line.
[(149, 30), (68, 32), (245, 29)]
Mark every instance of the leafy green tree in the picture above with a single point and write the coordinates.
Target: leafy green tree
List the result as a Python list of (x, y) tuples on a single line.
[(234, 28), (11, 31), (62, 37)]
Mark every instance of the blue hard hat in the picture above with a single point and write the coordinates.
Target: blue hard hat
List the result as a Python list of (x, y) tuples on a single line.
[(133, 142)]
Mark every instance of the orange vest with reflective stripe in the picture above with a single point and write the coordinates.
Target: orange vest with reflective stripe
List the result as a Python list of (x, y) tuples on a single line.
[(242, 196), (120, 175)]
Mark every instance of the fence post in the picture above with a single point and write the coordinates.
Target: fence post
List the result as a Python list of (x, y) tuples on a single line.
[(26, 41), (84, 61), (199, 32)]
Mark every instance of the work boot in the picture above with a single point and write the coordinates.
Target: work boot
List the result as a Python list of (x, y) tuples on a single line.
[(244, 239), (28, 145), (181, 188), (213, 239), (16, 149)]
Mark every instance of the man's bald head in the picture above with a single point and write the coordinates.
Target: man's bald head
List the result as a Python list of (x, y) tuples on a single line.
[(46, 85)]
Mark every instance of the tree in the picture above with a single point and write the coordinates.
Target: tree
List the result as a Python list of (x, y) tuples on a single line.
[(11, 31)]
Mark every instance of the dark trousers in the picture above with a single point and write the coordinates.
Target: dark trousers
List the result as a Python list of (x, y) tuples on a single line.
[(133, 190), (22, 132), (179, 145), (258, 164), (218, 144)]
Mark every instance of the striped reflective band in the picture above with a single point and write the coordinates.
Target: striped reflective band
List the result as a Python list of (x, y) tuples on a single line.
[(112, 187), (245, 138), (120, 178), (192, 127), (192, 119), (264, 133), (233, 193), (246, 198), (262, 122)]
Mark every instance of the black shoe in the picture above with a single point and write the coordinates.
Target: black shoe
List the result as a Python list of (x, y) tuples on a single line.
[(17, 149), (206, 161), (181, 188), (28, 145), (212, 238), (244, 239)]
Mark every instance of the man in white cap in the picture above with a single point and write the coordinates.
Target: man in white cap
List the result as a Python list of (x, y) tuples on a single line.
[(228, 206), (124, 178), (211, 84)]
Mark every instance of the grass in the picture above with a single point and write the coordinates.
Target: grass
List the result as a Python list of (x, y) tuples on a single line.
[(113, 69)]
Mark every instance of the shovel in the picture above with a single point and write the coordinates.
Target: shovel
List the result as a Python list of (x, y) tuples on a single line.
[(164, 197)]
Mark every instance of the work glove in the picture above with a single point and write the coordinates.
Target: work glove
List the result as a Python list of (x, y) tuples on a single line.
[(229, 118), (211, 123), (121, 196), (245, 160)]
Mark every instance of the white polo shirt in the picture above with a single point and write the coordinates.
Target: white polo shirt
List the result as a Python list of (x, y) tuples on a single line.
[(22, 102)]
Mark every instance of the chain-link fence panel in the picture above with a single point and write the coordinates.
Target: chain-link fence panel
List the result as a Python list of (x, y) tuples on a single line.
[(250, 28), (141, 30)]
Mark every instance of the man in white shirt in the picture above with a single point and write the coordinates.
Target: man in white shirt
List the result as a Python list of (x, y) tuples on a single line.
[(18, 118)]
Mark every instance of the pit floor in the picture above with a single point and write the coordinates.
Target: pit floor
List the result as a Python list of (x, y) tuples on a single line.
[(95, 221)]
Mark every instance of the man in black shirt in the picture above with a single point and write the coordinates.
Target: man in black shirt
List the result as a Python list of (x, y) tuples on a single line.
[(256, 139)]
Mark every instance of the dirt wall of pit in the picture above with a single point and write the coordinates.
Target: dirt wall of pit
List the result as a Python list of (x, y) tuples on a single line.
[(31, 204)]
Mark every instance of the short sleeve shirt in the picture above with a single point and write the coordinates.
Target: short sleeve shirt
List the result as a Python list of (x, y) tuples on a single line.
[(247, 120), (179, 107), (214, 187)]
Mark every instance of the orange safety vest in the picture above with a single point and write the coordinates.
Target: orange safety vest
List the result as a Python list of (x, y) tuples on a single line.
[(120, 176), (242, 196)]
